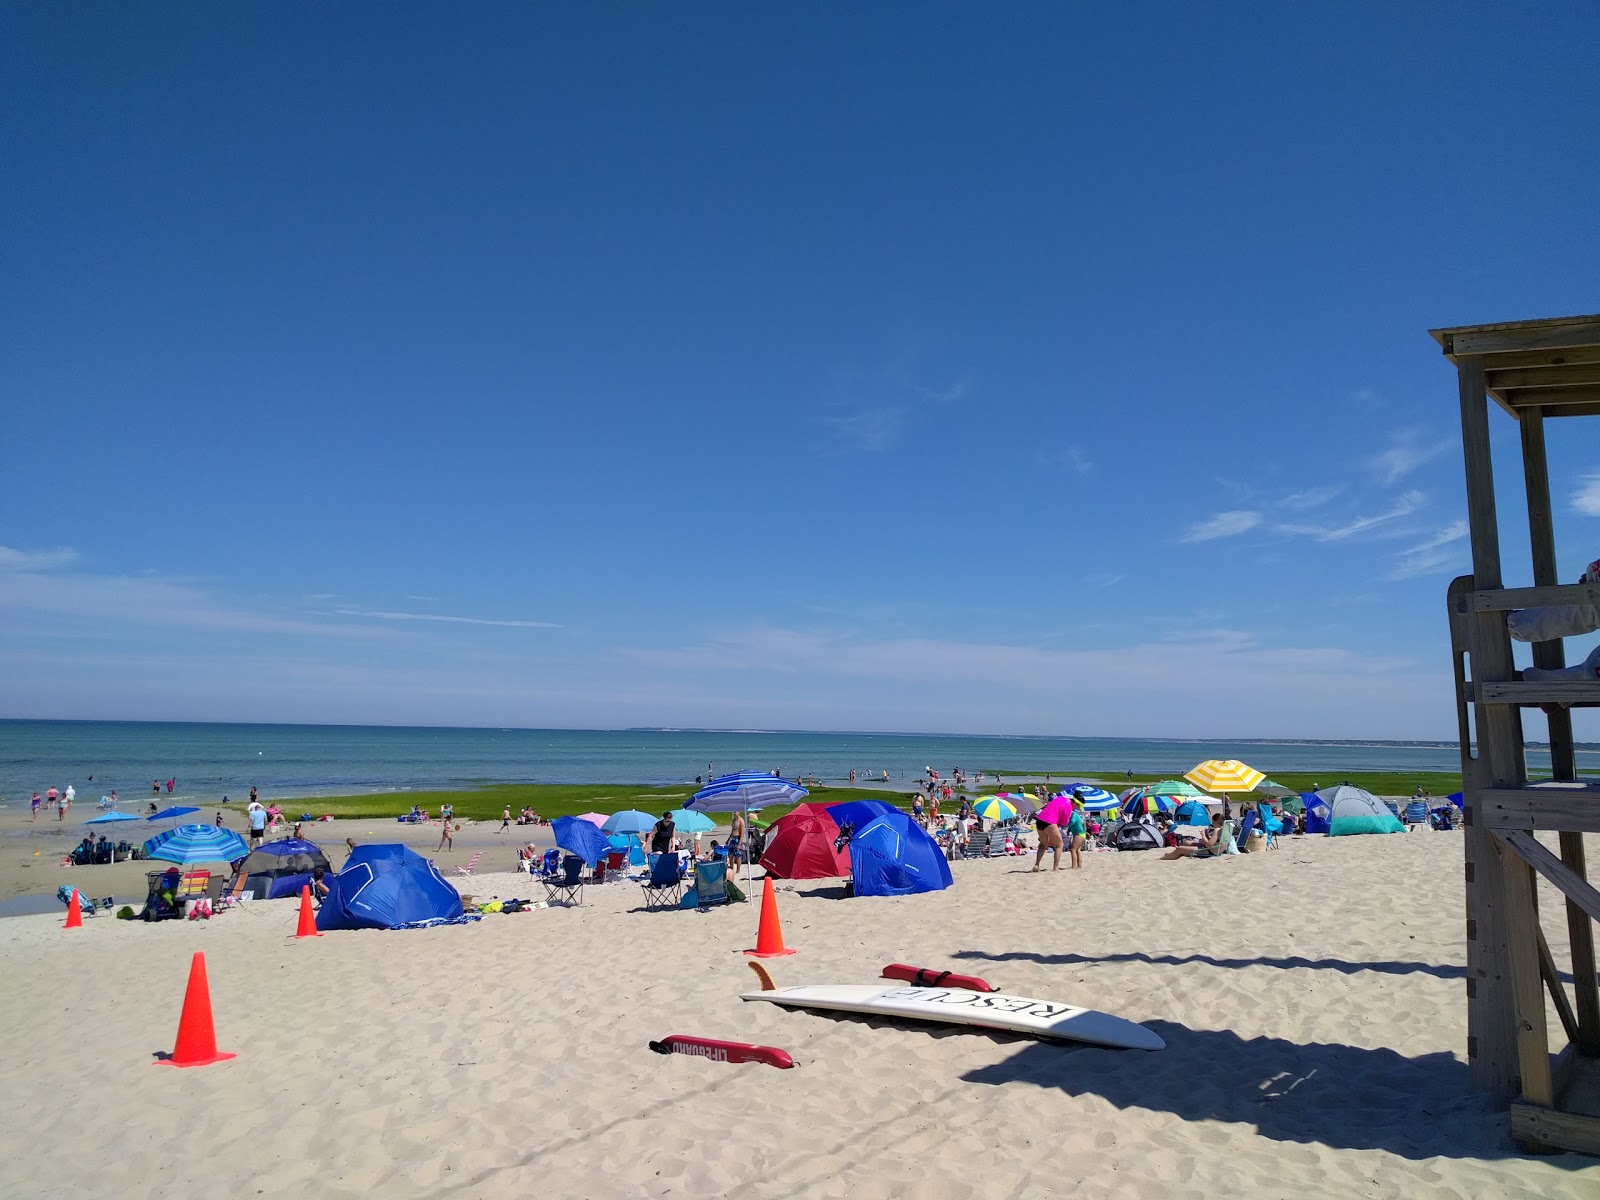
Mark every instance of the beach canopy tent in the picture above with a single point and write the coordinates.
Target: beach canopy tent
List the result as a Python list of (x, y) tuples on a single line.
[(1136, 835), (190, 844), (1317, 812), (629, 844), (578, 836), (800, 846), (859, 813), (894, 856), (389, 887), (1355, 810), (1193, 811), (281, 868)]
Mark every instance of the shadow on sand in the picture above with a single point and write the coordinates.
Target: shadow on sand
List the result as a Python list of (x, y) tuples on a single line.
[(1174, 960), (1308, 1092)]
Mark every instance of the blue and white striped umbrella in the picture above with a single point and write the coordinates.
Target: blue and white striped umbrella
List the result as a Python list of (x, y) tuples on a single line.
[(744, 790), (189, 844), (1095, 799)]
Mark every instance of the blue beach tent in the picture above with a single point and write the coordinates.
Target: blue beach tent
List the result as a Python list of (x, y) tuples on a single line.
[(389, 887), (859, 813), (1355, 810), (1317, 813), (894, 856)]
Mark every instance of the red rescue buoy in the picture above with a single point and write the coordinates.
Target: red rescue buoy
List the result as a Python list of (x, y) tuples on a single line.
[(733, 1052), (928, 977)]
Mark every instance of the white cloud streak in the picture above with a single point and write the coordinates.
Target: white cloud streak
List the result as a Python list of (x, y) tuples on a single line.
[(35, 560), (1408, 452), (1431, 555), (1224, 524), (452, 620), (1587, 497)]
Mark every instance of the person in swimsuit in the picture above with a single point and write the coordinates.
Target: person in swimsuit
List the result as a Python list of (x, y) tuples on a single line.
[(1049, 839), (1076, 831)]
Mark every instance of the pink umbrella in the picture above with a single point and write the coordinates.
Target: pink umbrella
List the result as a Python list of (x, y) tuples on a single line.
[(596, 819), (1057, 812)]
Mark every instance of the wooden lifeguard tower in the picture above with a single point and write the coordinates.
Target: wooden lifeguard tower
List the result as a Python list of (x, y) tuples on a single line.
[(1533, 370)]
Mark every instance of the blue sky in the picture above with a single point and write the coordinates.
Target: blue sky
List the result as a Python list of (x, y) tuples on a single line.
[(873, 367)]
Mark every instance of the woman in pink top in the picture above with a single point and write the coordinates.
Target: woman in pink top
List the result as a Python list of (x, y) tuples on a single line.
[(1047, 824)]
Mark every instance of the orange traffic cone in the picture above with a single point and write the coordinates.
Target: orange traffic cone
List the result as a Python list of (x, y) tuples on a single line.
[(769, 937), (74, 913), (197, 1039), (308, 921)]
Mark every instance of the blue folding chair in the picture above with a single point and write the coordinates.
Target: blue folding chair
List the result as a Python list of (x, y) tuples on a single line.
[(665, 885), (568, 885)]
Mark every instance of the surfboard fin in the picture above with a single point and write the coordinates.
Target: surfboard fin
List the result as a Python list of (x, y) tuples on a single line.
[(766, 980)]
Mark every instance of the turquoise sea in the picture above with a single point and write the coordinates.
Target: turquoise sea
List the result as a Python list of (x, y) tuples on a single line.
[(210, 761)]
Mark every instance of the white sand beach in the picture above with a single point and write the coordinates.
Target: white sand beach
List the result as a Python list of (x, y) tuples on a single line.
[(1311, 1000)]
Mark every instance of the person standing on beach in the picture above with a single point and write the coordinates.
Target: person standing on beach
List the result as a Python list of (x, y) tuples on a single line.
[(252, 793), (447, 837), (36, 806), (661, 836), (258, 823), (1076, 831), (505, 819)]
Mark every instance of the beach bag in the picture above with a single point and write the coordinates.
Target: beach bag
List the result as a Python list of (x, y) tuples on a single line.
[(1255, 842)]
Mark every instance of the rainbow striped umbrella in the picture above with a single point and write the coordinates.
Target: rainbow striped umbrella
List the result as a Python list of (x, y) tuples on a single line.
[(1224, 775), (995, 808)]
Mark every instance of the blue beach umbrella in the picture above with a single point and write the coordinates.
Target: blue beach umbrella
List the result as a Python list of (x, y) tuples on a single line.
[(189, 844), (630, 820), (689, 821), (744, 790), (168, 813), (1094, 799), (579, 837), (113, 816)]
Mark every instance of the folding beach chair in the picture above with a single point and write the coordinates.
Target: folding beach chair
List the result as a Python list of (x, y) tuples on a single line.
[(567, 886), (710, 886), (1416, 813), (665, 885), (1225, 843), (551, 864), (977, 845), (472, 864)]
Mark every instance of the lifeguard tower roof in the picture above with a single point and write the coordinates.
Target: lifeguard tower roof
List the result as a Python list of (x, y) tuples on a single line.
[(1553, 364)]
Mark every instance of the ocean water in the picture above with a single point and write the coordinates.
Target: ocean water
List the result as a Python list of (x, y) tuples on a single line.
[(210, 761)]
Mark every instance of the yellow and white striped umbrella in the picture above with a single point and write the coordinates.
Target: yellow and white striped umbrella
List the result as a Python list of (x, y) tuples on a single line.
[(1224, 775)]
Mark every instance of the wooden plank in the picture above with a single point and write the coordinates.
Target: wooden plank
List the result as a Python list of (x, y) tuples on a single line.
[(1527, 990), (1549, 596), (1529, 360), (1551, 974), (1559, 334), (1492, 1043), (1583, 1027), (1576, 888), (1540, 1126), (1541, 691), (1545, 808), (1541, 376), (1557, 398)]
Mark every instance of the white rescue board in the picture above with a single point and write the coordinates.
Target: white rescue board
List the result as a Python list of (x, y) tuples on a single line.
[(954, 1006)]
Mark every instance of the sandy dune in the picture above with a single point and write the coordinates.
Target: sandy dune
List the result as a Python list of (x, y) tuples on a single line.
[(1311, 999)]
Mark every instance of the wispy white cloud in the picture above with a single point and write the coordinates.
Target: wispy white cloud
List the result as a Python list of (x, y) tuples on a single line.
[(1587, 498), (35, 560), (868, 412), (1432, 554), (1383, 522), (1071, 459), (1311, 497), (452, 620), (871, 430), (1408, 450), (1224, 524)]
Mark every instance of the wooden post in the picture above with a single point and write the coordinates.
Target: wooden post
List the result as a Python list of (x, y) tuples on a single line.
[(1563, 760), (1533, 1040), (1491, 1004)]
